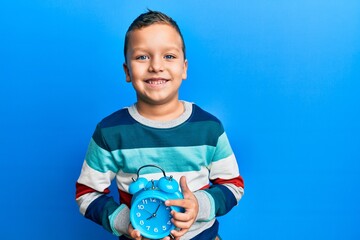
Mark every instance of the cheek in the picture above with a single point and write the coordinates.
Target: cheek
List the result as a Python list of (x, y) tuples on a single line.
[(178, 69), (138, 70)]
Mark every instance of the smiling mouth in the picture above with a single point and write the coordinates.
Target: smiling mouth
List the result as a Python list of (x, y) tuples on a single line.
[(156, 81)]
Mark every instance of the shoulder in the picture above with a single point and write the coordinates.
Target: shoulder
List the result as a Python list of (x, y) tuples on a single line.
[(201, 115), (111, 128), (201, 121), (118, 118)]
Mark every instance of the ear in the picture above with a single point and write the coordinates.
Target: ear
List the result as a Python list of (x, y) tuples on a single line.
[(185, 67), (127, 72)]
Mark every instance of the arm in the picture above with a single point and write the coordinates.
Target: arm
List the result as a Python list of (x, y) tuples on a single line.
[(227, 185), (99, 169), (224, 193)]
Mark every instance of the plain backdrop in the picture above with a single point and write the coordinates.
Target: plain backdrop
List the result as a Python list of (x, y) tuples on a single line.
[(282, 75)]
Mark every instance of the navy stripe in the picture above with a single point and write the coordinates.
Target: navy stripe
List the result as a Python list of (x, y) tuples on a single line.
[(120, 117), (98, 138), (200, 115), (99, 210), (224, 199)]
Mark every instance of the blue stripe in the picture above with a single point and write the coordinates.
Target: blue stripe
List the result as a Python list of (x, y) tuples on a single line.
[(223, 148), (100, 159), (140, 136), (174, 159), (199, 115), (120, 117)]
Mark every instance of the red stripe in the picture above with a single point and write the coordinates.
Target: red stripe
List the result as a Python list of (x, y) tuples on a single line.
[(205, 187), (238, 181), (82, 189), (125, 197)]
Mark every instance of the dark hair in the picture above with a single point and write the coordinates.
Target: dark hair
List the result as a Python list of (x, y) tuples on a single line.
[(147, 19)]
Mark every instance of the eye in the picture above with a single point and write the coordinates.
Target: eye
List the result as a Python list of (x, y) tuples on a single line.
[(142, 57), (169, 56)]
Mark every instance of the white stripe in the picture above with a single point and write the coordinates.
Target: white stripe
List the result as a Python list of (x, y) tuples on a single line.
[(95, 179), (237, 191), (226, 168)]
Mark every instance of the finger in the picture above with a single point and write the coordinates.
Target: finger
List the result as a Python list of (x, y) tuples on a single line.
[(187, 204), (177, 202), (182, 224), (184, 187), (182, 217), (136, 235)]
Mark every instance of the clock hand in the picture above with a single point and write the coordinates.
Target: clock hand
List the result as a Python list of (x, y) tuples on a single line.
[(156, 209), (154, 214)]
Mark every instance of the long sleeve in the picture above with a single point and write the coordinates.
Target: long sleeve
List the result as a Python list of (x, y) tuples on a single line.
[(92, 187), (227, 186)]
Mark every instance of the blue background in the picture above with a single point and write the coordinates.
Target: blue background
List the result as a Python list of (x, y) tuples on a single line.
[(282, 75)]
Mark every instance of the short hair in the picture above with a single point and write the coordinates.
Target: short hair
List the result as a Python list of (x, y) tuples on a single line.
[(148, 18)]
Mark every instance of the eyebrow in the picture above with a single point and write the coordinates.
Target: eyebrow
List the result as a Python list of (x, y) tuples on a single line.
[(165, 49)]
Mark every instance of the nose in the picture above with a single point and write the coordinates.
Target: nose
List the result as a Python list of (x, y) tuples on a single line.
[(156, 65)]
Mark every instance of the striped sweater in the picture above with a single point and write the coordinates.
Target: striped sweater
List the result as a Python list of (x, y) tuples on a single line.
[(194, 145)]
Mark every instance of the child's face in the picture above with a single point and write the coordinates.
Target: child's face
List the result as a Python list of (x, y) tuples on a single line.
[(155, 63)]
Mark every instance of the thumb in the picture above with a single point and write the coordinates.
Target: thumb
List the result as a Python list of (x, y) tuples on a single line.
[(184, 187)]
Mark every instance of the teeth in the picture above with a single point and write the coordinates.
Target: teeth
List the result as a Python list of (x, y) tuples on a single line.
[(158, 82)]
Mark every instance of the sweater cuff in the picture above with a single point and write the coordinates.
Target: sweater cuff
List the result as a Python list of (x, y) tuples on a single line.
[(206, 206), (120, 220)]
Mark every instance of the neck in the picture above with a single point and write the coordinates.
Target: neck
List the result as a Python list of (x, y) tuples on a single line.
[(161, 112)]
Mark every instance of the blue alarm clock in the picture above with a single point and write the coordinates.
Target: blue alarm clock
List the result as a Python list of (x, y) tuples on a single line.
[(148, 212)]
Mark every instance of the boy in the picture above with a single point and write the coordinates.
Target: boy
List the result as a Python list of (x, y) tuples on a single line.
[(189, 143)]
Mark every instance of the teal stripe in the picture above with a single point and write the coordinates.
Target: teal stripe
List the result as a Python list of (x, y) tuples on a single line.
[(219, 200), (223, 148), (100, 159), (174, 159), (139, 136), (190, 158)]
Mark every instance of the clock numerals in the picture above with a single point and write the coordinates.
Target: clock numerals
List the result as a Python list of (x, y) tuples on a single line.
[(153, 217), (156, 230)]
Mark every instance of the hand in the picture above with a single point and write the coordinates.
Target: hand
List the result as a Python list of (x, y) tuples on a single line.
[(134, 234), (184, 220)]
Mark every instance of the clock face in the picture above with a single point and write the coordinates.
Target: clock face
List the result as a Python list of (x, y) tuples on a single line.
[(151, 217)]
